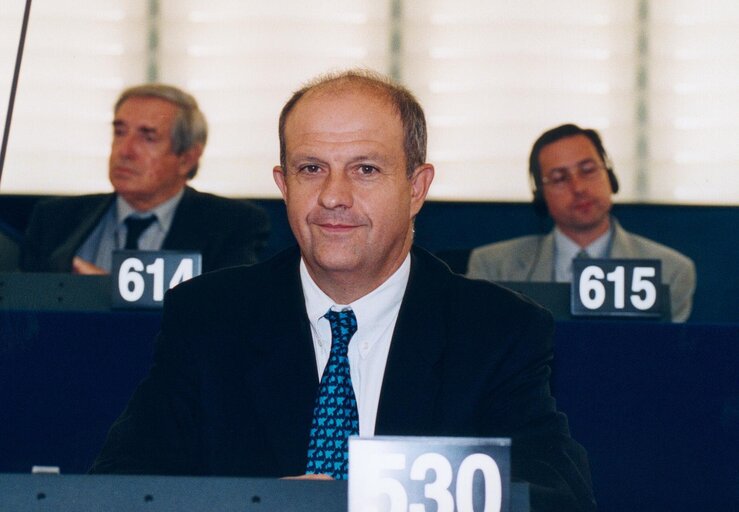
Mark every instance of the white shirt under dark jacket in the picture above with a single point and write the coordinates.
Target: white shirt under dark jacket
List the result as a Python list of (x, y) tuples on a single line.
[(376, 315), (566, 249)]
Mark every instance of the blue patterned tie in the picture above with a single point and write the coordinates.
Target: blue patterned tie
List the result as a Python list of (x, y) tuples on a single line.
[(335, 415)]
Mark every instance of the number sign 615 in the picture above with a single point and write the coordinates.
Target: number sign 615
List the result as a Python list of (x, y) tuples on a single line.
[(616, 287)]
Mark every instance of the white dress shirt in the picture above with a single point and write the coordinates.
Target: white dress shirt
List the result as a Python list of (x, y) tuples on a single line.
[(376, 315), (565, 250)]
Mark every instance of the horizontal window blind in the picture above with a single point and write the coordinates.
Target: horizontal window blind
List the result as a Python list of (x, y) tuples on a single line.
[(494, 75), (694, 102), (78, 56), (657, 79), (243, 60)]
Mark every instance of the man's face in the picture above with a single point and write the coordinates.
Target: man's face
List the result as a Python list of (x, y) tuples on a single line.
[(581, 204), (349, 201), (143, 168)]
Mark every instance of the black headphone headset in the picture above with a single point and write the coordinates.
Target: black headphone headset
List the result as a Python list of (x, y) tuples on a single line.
[(553, 135)]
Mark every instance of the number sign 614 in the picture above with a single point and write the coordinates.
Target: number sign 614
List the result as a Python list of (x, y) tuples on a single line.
[(142, 277)]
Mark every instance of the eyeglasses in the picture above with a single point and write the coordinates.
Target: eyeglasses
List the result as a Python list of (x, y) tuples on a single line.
[(560, 177)]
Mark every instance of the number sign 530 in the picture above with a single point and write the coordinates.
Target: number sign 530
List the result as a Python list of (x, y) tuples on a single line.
[(140, 276), (397, 474), (616, 287)]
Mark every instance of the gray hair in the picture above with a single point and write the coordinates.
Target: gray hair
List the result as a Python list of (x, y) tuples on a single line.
[(189, 127)]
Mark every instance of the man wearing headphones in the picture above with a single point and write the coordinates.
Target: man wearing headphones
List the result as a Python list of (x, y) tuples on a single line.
[(573, 182)]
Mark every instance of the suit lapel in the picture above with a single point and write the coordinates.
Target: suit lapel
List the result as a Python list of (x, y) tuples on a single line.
[(61, 258), (542, 258), (411, 380), (284, 379), (621, 246), (186, 224)]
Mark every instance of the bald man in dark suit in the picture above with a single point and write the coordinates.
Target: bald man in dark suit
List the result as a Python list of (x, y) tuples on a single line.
[(241, 359)]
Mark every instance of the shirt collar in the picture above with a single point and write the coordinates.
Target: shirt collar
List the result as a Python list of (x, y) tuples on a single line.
[(164, 212), (370, 310), (567, 249)]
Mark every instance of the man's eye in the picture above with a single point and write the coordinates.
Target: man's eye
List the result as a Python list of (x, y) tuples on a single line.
[(588, 169), (557, 177), (367, 169), (309, 169)]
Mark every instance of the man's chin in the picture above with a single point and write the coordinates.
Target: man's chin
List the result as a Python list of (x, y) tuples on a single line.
[(585, 225), (122, 176), (124, 183), (335, 264), (332, 259)]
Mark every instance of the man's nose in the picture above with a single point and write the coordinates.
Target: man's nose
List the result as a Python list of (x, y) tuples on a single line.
[(336, 191), (123, 146), (576, 180)]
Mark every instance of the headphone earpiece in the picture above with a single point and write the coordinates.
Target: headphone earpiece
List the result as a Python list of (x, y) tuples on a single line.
[(612, 179), (539, 204)]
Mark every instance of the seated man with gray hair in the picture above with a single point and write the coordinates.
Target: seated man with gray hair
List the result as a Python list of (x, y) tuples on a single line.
[(159, 134)]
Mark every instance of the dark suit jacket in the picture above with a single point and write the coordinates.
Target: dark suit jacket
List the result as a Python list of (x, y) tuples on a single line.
[(225, 231), (234, 379)]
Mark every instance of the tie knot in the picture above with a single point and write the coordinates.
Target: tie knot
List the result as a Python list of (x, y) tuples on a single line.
[(135, 226), (343, 326)]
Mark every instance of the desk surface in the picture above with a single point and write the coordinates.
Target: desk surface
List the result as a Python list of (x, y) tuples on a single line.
[(656, 405), (83, 493), (92, 493), (67, 292)]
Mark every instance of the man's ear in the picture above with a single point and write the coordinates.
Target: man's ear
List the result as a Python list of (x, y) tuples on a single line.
[(190, 158), (279, 176), (421, 180)]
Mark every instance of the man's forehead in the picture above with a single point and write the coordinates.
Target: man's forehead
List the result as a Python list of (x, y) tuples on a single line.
[(346, 104), (358, 92), (573, 147), (147, 110)]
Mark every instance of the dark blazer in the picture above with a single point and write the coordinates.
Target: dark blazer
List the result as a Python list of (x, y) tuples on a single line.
[(225, 231), (234, 378)]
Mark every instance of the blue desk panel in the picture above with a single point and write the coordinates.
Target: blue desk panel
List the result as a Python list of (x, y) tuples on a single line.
[(64, 378), (656, 405)]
